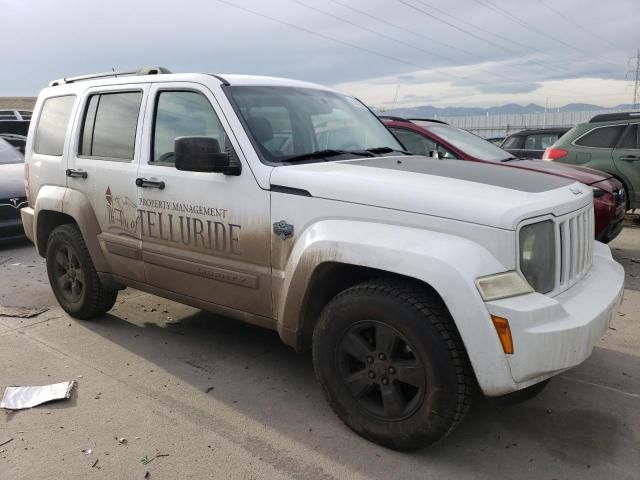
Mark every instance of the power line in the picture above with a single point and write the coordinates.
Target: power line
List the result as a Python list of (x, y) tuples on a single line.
[(343, 42), (389, 37), (472, 25), (405, 29), (574, 23), (505, 13)]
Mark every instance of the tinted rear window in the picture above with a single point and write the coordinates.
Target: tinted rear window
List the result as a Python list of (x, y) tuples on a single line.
[(52, 125), (603, 137), (109, 129), (630, 137)]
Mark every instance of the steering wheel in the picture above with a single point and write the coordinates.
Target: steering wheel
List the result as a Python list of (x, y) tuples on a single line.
[(165, 157)]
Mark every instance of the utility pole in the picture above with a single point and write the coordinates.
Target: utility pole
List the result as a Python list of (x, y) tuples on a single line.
[(635, 86)]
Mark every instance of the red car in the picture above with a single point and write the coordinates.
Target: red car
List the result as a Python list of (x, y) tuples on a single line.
[(434, 138)]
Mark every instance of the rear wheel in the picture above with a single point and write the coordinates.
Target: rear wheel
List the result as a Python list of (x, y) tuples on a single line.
[(73, 277), (392, 365)]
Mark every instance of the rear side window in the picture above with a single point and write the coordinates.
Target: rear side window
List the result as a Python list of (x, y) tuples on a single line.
[(52, 125), (603, 137), (630, 138), (110, 123)]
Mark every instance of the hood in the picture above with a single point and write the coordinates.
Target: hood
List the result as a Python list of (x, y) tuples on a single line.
[(12, 180), (585, 175), (473, 192)]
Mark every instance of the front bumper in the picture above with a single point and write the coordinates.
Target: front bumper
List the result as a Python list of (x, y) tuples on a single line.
[(27, 215), (552, 334)]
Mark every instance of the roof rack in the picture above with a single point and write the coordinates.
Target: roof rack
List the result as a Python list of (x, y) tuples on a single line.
[(141, 71), (609, 117)]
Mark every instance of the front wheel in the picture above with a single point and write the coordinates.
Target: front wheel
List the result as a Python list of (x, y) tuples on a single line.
[(392, 365), (73, 277)]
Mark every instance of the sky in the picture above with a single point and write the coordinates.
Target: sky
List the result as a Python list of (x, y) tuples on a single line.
[(389, 53)]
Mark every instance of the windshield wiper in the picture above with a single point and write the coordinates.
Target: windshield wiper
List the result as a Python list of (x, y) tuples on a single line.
[(508, 159), (327, 153), (387, 150)]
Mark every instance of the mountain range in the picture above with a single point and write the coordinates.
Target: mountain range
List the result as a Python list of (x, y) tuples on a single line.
[(511, 108)]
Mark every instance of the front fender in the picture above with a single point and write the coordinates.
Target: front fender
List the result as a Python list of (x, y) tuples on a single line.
[(448, 263)]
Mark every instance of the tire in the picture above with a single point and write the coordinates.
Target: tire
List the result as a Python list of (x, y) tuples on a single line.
[(394, 332), (73, 277), (525, 394)]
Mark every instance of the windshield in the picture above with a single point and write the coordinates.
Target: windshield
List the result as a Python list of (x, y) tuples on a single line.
[(289, 122), (8, 153), (469, 143)]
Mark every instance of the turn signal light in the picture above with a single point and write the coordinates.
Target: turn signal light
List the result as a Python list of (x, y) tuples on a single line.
[(554, 153), (504, 333)]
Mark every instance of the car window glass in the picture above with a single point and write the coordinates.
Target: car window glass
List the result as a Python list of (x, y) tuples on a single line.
[(52, 125), (630, 137), (8, 153), (419, 144), (540, 141), (285, 122), (511, 142), (183, 114), (110, 124), (603, 137)]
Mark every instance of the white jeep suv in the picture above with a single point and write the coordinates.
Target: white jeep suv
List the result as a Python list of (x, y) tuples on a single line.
[(290, 206)]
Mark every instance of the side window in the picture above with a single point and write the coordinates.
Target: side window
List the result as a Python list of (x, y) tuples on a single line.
[(603, 137), (110, 123), (414, 142), (540, 141), (181, 114), (511, 142), (420, 145), (630, 138), (52, 125)]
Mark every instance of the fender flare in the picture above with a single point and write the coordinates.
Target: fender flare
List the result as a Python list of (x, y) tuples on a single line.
[(76, 205), (448, 263)]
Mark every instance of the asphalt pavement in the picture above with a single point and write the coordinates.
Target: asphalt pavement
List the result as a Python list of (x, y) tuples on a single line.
[(180, 393)]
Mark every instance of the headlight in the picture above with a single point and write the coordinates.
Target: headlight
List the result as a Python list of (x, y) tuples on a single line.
[(502, 285), (538, 255)]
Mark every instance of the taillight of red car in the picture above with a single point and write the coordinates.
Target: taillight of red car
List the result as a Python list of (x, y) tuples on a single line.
[(554, 153)]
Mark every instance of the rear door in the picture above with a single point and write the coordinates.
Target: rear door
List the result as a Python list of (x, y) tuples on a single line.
[(103, 166), (626, 157)]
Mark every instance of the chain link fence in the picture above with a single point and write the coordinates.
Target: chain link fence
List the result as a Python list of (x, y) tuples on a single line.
[(488, 126)]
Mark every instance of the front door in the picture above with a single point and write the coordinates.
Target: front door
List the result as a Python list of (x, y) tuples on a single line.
[(626, 157), (103, 166), (204, 235)]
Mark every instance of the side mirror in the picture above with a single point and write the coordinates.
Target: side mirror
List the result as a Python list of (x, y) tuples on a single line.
[(435, 154), (203, 154)]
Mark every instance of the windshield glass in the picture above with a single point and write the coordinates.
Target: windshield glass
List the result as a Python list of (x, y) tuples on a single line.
[(9, 154), (287, 122), (469, 143)]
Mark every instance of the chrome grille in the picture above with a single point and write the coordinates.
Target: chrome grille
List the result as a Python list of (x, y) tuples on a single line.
[(576, 234)]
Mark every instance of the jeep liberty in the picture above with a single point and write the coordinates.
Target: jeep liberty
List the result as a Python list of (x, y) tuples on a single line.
[(414, 281)]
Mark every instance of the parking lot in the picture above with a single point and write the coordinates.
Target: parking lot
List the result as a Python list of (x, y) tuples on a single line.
[(179, 393)]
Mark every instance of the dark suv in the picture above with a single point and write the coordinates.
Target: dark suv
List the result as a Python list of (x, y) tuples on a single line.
[(437, 139), (532, 143), (609, 142)]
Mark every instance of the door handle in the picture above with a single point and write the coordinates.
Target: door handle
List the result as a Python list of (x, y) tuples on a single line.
[(76, 173), (144, 183), (630, 158)]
